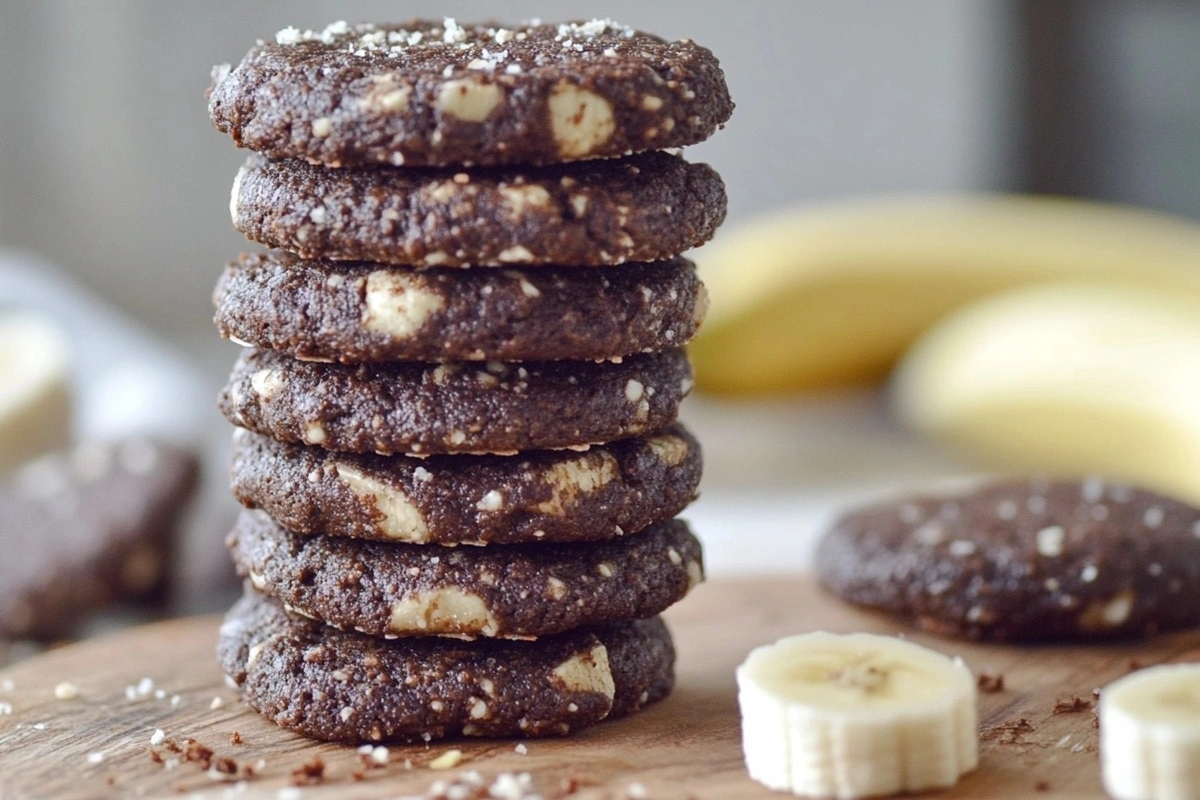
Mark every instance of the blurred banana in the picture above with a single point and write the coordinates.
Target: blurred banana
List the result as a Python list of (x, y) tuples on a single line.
[(832, 296), (35, 395), (1071, 379)]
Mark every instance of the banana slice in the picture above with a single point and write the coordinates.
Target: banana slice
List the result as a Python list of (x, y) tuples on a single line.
[(856, 715), (1150, 734), (830, 296), (1068, 379), (35, 406)]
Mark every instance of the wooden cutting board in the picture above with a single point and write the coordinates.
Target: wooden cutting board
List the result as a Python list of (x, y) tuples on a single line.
[(687, 746)]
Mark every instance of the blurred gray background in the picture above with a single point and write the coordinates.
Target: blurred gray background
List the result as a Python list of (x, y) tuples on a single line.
[(110, 168)]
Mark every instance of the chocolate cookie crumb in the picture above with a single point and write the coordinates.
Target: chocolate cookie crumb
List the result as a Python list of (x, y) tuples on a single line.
[(990, 683), (309, 773), (1072, 706)]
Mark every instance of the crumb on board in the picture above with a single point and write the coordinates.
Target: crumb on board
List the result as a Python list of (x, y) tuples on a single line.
[(990, 682), (1073, 705), (66, 691), (1011, 732), (309, 773)]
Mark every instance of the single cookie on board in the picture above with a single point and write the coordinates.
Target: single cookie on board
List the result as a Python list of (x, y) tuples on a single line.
[(642, 208), (86, 527), (1023, 560), (513, 591), (437, 93), (457, 407), (356, 312), (347, 687), (545, 495)]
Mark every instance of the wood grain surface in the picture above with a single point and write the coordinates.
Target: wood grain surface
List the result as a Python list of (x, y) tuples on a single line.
[(686, 747)]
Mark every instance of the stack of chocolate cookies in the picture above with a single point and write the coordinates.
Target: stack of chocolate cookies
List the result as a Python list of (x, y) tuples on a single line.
[(461, 482)]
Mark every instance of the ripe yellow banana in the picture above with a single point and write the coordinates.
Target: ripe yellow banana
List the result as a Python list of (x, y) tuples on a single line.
[(1150, 734), (35, 408), (833, 295), (856, 715), (1068, 379)]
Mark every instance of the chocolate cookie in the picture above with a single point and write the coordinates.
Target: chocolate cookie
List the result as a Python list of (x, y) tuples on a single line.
[(86, 527), (457, 407), (436, 93), (512, 591), (1027, 560), (355, 312), (543, 495), (347, 687), (642, 208)]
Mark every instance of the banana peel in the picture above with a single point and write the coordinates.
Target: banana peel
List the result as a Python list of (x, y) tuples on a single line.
[(1067, 379), (832, 296)]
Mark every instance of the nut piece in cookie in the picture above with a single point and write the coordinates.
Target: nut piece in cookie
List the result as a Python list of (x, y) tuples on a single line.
[(1023, 560)]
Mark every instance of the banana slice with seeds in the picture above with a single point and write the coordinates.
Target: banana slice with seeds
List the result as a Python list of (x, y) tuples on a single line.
[(1150, 734), (856, 715)]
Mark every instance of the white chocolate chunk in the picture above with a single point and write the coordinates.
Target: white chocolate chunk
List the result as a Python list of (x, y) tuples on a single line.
[(401, 520), (580, 120), (398, 304), (587, 672), (446, 610), (468, 99), (570, 479)]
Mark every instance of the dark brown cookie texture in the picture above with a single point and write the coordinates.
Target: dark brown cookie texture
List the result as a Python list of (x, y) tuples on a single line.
[(1023, 560), (547, 495), (456, 407), (86, 527), (437, 93), (642, 208), (515, 591), (358, 312), (343, 686)]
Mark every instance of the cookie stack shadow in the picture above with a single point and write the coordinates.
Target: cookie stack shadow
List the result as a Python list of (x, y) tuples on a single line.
[(457, 441)]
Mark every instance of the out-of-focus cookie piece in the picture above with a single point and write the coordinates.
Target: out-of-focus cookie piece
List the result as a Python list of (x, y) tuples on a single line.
[(85, 527), (1023, 560), (430, 92)]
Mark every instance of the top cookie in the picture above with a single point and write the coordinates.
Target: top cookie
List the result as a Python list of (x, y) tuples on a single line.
[(429, 93)]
